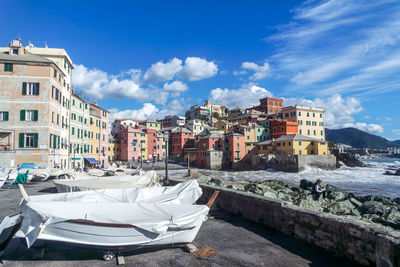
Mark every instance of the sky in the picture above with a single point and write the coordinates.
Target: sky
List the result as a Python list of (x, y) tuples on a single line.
[(148, 59)]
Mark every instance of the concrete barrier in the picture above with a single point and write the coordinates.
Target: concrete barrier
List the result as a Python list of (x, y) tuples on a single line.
[(365, 243)]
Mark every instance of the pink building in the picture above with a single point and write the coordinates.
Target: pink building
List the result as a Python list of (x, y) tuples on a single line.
[(208, 142), (128, 137), (235, 148), (181, 138)]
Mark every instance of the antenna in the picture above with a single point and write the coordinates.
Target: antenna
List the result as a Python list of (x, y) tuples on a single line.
[(45, 44)]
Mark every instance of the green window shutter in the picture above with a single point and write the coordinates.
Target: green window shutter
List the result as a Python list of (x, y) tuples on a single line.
[(23, 88), (21, 140), (35, 139), (50, 141), (6, 116), (54, 141), (22, 115), (58, 142), (37, 85), (35, 115)]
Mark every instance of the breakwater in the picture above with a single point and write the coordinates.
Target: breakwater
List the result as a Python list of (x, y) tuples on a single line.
[(362, 242)]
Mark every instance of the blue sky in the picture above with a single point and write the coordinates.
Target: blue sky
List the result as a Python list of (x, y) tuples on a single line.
[(147, 59)]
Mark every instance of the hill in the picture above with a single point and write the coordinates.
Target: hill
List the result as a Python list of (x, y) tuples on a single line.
[(397, 142), (358, 139)]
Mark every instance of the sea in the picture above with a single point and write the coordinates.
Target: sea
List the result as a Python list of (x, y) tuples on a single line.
[(358, 180)]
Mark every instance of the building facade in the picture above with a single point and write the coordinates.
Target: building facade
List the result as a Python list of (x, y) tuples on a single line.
[(282, 127), (311, 121)]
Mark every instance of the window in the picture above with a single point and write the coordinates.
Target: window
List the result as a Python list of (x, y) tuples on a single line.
[(29, 115), (308, 114), (15, 51), (320, 115), (322, 133), (55, 74), (4, 116), (300, 131), (29, 140), (299, 143), (30, 88), (308, 132), (315, 132), (8, 67), (299, 113), (313, 115)]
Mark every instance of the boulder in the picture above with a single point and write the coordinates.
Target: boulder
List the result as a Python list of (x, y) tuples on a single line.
[(269, 194), (372, 207), (254, 188), (236, 187), (343, 208), (337, 196), (306, 184), (283, 196), (397, 172), (309, 203), (355, 202), (216, 182), (203, 178), (385, 200)]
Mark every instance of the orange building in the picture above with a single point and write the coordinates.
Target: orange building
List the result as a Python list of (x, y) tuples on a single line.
[(270, 105), (282, 127)]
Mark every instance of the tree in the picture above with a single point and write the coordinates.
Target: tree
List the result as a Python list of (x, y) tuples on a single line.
[(331, 144)]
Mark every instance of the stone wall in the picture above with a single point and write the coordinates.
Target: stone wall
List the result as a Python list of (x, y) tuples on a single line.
[(361, 242), (297, 163)]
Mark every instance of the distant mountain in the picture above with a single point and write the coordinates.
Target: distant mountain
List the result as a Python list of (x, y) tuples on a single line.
[(397, 142), (358, 139)]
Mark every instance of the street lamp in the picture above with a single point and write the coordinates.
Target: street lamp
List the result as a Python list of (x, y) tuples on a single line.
[(74, 147), (166, 139), (141, 156)]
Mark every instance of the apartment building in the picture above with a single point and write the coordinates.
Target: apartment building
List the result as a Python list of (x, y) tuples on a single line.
[(34, 107), (172, 121), (270, 105), (311, 121), (79, 134), (104, 135), (282, 127), (196, 126), (149, 124)]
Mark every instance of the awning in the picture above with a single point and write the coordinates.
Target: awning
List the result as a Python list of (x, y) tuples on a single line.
[(91, 160), (76, 158)]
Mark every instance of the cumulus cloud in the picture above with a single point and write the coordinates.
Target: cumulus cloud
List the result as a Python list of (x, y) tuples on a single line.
[(160, 71), (175, 86), (99, 84), (260, 71), (339, 111), (246, 96), (147, 111), (196, 68)]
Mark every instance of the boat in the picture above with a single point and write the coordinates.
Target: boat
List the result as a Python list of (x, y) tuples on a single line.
[(148, 179), (108, 225), (183, 193)]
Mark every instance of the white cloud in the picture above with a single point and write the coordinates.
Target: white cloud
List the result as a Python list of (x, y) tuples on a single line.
[(396, 131), (339, 111), (196, 68), (372, 128), (160, 71), (340, 46), (246, 96), (147, 111), (175, 86), (260, 71), (367, 117), (99, 84)]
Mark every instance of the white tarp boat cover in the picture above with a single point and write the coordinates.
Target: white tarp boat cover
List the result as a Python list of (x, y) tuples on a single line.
[(152, 217), (182, 193), (149, 179)]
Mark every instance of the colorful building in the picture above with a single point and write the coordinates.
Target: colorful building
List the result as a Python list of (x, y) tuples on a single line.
[(234, 148), (34, 108), (149, 124), (180, 139), (223, 125), (311, 121), (282, 127), (294, 144), (270, 105), (204, 144)]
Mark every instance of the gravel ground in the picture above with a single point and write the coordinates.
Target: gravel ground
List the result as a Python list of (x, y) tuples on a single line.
[(237, 241)]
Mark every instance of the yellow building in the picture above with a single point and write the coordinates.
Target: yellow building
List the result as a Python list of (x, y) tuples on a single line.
[(151, 124), (223, 125), (143, 145), (294, 144), (94, 135)]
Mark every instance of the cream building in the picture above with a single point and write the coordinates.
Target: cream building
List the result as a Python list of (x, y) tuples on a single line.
[(311, 121), (34, 108)]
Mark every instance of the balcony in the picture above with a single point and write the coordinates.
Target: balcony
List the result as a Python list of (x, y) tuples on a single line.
[(6, 143)]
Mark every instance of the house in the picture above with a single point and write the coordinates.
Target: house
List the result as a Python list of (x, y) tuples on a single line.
[(180, 139), (282, 127)]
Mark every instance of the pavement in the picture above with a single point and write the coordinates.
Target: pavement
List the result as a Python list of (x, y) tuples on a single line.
[(236, 241)]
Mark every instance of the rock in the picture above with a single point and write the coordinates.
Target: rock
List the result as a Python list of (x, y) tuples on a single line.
[(349, 160), (296, 189), (393, 215), (306, 184), (254, 188), (372, 207), (385, 200), (269, 194), (236, 187), (363, 198), (337, 196), (285, 197), (216, 182), (355, 202), (309, 203), (203, 178), (397, 172), (343, 208), (397, 200)]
